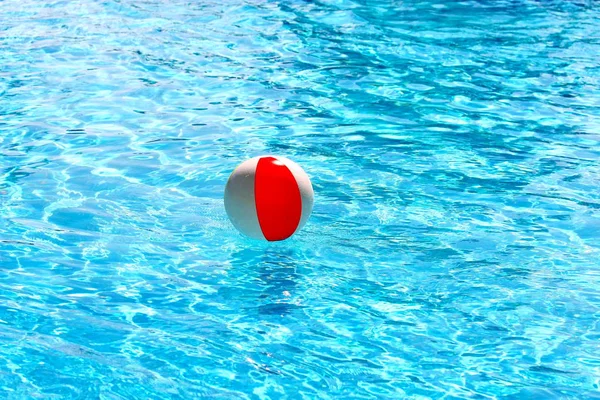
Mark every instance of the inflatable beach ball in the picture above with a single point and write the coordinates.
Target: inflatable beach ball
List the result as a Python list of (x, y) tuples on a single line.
[(268, 198)]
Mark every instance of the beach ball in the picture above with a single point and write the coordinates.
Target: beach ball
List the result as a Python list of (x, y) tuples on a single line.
[(268, 198)]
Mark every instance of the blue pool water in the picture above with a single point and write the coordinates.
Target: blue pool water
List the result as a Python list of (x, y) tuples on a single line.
[(453, 252)]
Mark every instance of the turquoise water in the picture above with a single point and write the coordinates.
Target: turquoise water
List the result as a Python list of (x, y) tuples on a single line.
[(454, 247)]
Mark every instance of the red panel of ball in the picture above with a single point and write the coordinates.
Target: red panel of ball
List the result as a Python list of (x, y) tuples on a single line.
[(278, 200)]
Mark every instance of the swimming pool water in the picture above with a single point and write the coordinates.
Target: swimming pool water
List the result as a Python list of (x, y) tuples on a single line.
[(453, 252)]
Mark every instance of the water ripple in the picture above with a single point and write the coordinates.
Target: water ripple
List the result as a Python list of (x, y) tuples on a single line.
[(452, 252)]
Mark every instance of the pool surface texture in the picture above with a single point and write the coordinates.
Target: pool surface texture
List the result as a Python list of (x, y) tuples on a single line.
[(454, 247)]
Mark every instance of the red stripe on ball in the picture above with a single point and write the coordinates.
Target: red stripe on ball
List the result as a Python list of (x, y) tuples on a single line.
[(277, 197)]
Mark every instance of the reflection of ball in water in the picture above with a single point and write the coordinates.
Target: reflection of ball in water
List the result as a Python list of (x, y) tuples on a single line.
[(268, 198)]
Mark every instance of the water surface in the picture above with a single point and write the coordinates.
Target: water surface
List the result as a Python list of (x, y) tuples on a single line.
[(453, 251)]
